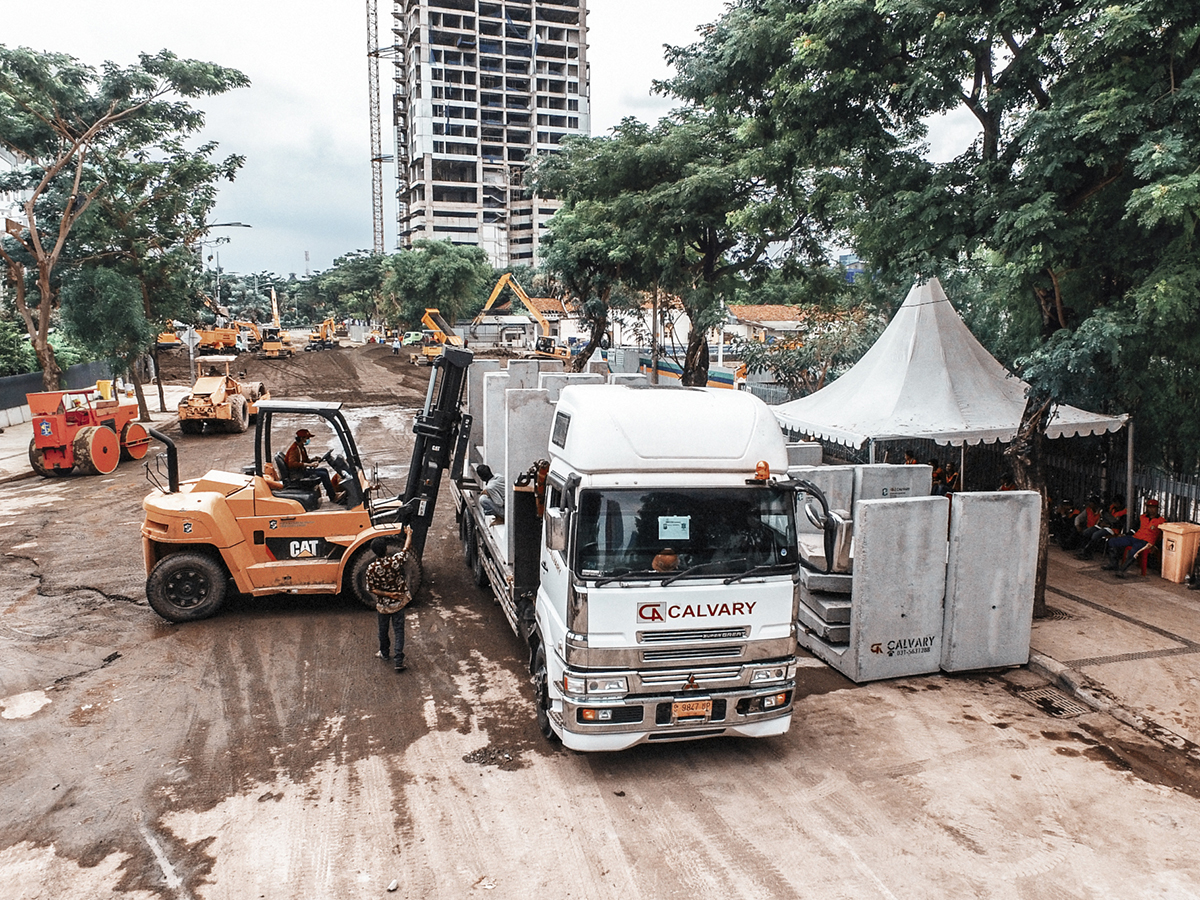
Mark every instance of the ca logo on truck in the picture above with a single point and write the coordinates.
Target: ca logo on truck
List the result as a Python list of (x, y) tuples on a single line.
[(650, 612)]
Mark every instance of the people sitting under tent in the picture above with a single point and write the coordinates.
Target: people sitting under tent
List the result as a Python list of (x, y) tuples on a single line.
[(1111, 523), (1125, 548)]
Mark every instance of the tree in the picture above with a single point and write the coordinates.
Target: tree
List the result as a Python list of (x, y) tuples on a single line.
[(1074, 209), (433, 274), (686, 208), (65, 120)]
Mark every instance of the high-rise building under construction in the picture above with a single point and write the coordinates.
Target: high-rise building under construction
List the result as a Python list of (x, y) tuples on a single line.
[(481, 87)]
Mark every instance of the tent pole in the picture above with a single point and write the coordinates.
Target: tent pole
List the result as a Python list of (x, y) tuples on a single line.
[(871, 451), (1129, 519), (962, 465)]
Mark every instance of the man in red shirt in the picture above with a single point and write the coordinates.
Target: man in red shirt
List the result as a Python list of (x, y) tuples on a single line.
[(1147, 534)]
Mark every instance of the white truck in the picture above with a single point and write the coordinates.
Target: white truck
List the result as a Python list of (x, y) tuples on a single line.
[(646, 553)]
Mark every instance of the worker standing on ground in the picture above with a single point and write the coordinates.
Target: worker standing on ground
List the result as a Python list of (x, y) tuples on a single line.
[(385, 579), (396, 345)]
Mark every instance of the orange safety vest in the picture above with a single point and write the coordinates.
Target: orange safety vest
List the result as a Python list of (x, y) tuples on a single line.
[(1148, 531)]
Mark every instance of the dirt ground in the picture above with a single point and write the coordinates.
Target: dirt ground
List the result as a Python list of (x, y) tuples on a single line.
[(266, 753)]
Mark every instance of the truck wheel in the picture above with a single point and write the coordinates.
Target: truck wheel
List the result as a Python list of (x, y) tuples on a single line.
[(186, 586), (37, 459), (191, 426), (470, 547), (134, 441), (97, 450), (478, 572), (239, 414), (541, 695)]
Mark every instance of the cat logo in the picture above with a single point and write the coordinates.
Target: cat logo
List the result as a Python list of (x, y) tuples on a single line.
[(303, 549)]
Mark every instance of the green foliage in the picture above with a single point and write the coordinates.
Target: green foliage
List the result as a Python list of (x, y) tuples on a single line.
[(103, 313), (434, 275), (1073, 211), (16, 356)]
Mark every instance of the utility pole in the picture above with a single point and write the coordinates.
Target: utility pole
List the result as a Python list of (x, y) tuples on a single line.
[(376, 130)]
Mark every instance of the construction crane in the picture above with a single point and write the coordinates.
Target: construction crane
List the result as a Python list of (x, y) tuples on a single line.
[(377, 157)]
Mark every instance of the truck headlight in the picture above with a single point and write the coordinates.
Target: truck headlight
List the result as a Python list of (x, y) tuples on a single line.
[(774, 673), (573, 684)]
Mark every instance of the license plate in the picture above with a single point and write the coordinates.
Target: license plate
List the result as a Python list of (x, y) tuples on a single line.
[(690, 709)]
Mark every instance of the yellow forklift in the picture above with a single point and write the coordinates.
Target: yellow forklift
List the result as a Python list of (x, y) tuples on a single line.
[(262, 535)]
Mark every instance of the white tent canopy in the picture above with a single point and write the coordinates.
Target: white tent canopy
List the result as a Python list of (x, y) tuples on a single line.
[(927, 377)]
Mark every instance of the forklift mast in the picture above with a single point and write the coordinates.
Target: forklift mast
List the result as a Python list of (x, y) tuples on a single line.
[(442, 431)]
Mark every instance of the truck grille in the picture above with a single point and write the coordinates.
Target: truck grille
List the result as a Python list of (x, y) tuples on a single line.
[(676, 680), (685, 653), (709, 634)]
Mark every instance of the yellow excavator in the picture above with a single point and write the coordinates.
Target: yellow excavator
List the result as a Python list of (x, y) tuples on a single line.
[(438, 334), (323, 337), (275, 341), (544, 346)]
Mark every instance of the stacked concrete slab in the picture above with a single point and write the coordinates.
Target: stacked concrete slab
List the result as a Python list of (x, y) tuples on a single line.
[(932, 585)]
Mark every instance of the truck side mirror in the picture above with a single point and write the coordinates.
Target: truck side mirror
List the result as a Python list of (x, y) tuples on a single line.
[(556, 529)]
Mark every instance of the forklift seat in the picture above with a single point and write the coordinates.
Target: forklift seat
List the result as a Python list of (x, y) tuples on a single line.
[(304, 489)]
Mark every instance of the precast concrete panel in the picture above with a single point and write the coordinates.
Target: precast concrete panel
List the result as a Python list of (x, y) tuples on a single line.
[(598, 367), (628, 378), (883, 481), (475, 373), (990, 579), (835, 482), (554, 382), (805, 453), (494, 386), (530, 415), (523, 373), (899, 584)]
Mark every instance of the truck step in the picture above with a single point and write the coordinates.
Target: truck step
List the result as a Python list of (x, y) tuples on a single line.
[(808, 620)]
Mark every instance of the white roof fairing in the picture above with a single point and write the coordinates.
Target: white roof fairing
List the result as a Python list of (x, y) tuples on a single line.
[(928, 377), (633, 428)]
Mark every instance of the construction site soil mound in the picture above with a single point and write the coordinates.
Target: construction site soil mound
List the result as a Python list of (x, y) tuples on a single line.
[(359, 375)]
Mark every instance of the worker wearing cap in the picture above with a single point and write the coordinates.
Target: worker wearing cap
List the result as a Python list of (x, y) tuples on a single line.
[(1146, 535), (298, 462)]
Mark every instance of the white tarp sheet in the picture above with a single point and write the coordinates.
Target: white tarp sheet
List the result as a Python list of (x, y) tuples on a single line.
[(927, 377)]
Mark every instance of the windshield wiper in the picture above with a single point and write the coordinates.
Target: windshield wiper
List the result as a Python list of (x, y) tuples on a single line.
[(690, 569), (755, 571), (624, 573)]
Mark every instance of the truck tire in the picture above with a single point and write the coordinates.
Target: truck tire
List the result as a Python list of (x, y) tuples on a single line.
[(478, 572), (135, 441), (37, 459), (414, 576), (239, 414), (97, 450), (541, 695), (470, 545), (186, 586), (191, 426)]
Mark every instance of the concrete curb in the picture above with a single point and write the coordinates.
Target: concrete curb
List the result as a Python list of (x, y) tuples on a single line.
[(1088, 692)]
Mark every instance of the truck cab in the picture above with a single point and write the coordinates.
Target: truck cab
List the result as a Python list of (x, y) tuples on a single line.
[(654, 573)]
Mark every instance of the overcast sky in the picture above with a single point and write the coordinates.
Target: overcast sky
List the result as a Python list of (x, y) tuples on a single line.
[(303, 124)]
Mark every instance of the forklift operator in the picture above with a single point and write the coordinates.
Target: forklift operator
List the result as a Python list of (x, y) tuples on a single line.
[(297, 461)]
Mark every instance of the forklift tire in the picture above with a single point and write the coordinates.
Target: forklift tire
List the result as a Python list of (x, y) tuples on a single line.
[(37, 459), (414, 576), (186, 586), (239, 415), (541, 695), (191, 426)]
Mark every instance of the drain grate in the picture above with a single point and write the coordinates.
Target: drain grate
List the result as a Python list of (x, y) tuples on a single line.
[(1054, 703), (1056, 615)]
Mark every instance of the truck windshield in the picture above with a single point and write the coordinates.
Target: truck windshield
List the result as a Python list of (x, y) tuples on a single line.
[(657, 533)]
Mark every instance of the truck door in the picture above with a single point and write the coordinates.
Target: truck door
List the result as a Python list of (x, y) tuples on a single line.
[(554, 565)]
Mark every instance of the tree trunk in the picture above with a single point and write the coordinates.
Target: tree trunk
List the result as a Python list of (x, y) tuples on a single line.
[(1025, 456), (599, 328), (695, 362), (162, 398), (143, 409)]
